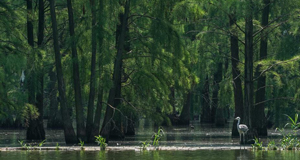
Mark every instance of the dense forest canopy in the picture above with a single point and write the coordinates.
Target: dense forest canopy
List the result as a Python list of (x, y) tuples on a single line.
[(106, 64)]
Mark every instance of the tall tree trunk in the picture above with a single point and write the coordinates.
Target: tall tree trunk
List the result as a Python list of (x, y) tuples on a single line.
[(90, 114), (70, 136), (205, 113), (54, 116), (81, 134), (30, 82), (119, 128), (172, 100), (184, 118), (236, 74), (115, 91), (100, 27), (215, 99), (248, 89), (36, 127), (217, 112), (35, 130), (260, 118)]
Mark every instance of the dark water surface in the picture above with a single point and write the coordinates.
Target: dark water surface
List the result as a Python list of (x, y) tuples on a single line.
[(151, 155), (201, 135)]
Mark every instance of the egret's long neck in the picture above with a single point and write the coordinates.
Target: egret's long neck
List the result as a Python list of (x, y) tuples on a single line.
[(238, 123)]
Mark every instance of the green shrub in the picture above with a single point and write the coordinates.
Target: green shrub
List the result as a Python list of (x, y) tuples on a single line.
[(101, 142)]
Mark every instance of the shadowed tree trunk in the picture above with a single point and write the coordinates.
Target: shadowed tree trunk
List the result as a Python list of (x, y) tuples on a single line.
[(70, 136), (96, 125), (54, 116), (115, 91), (81, 134), (236, 74), (31, 74), (172, 100), (184, 118), (248, 89), (118, 128), (260, 123), (217, 111), (36, 127), (215, 99), (90, 114), (205, 113)]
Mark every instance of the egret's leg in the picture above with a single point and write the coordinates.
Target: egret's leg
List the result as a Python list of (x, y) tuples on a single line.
[(244, 140), (240, 140)]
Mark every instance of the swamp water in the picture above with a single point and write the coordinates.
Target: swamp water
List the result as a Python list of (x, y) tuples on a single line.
[(178, 136), (151, 155)]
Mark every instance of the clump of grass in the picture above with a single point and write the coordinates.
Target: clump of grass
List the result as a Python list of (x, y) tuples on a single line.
[(272, 145), (42, 143), (23, 145), (157, 136), (57, 146), (257, 145), (101, 142), (81, 143), (145, 145)]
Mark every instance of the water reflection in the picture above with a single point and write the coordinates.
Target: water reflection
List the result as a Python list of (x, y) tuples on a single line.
[(201, 135), (150, 155)]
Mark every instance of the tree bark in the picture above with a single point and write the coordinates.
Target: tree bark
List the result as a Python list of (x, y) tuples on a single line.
[(96, 125), (216, 111), (184, 118), (35, 130), (90, 114), (70, 136), (248, 88), (119, 126), (115, 91), (260, 123), (236, 74), (217, 80), (54, 116), (81, 134), (205, 113), (31, 73)]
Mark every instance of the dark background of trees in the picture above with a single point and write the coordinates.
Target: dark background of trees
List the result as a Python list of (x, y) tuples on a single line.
[(106, 64)]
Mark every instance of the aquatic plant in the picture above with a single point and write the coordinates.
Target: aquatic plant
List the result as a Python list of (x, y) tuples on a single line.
[(289, 140), (145, 145), (101, 142), (157, 136), (57, 146), (42, 143), (293, 122), (257, 145), (23, 145), (81, 143), (272, 145)]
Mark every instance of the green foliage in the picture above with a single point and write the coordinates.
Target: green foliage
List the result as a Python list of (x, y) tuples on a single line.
[(101, 142), (293, 122), (145, 145), (42, 143), (23, 145), (30, 112), (81, 143), (57, 146), (272, 145), (257, 145), (157, 136), (188, 9), (289, 142)]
